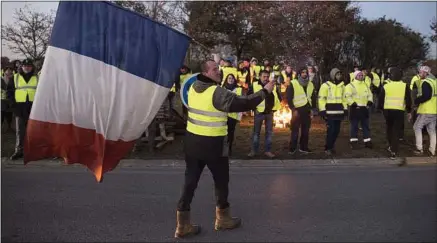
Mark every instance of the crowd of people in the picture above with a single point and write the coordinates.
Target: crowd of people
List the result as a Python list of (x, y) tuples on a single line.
[(353, 96)]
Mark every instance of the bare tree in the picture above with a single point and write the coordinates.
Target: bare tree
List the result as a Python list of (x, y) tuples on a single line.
[(434, 30), (29, 33)]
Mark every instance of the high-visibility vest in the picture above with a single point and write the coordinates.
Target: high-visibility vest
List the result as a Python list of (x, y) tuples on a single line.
[(351, 76), (287, 80), (300, 97), (242, 77), (262, 106), (237, 115), (415, 80), (276, 70), (203, 118), (227, 71), (395, 96), (368, 81), (430, 106), (182, 79), (376, 80), (331, 99), (358, 92), (254, 70), (23, 89)]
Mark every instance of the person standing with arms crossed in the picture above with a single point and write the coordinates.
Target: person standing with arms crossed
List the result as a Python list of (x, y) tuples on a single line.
[(206, 144)]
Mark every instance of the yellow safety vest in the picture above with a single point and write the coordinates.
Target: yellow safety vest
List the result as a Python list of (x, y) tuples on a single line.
[(351, 76), (376, 80), (301, 98), (242, 77), (415, 79), (237, 115), (429, 107), (254, 70), (262, 106), (182, 79), (358, 92), (368, 81), (286, 80), (331, 98), (227, 71), (203, 118), (23, 89), (276, 70), (395, 96)]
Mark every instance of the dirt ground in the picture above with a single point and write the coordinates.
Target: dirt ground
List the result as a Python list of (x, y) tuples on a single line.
[(174, 149)]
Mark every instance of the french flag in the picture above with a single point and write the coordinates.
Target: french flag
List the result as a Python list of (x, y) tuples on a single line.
[(106, 73)]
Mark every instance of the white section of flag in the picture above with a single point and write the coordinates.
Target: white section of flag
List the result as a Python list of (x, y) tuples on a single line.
[(91, 94)]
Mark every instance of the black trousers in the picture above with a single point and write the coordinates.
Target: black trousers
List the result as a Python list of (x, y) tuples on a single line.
[(333, 129), (394, 120), (301, 121), (232, 123), (219, 168)]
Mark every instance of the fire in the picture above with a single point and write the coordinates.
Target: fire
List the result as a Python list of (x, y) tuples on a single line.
[(282, 117)]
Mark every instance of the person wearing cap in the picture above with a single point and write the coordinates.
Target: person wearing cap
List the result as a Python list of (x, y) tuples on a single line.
[(427, 110), (264, 113), (301, 98), (7, 77), (205, 144), (395, 99), (332, 107), (359, 98), (22, 93)]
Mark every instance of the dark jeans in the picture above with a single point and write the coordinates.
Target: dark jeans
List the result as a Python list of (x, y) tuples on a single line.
[(20, 132), (259, 118), (301, 121), (219, 168), (354, 129), (232, 123), (333, 129), (394, 121)]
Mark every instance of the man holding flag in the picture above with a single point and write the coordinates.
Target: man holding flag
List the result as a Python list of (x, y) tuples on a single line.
[(206, 144)]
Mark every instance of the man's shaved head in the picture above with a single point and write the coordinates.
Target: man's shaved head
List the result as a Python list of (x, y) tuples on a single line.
[(210, 69)]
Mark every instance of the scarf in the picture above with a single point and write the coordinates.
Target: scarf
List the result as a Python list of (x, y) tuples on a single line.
[(303, 82)]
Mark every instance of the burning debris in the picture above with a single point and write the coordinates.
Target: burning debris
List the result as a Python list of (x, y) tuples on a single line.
[(282, 117)]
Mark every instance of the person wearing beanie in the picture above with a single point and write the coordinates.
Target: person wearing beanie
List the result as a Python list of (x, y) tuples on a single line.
[(395, 99), (427, 110), (301, 98), (332, 107), (359, 98)]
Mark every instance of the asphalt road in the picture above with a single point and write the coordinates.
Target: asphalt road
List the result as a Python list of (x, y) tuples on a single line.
[(276, 204)]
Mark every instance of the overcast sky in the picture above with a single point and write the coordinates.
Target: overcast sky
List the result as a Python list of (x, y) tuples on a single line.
[(416, 15)]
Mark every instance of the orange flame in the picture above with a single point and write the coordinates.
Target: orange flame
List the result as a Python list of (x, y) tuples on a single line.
[(282, 117)]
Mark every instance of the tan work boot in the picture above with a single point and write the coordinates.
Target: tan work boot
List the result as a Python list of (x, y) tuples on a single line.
[(184, 227), (224, 221)]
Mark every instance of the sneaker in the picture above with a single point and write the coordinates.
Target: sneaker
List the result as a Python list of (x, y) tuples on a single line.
[(292, 151), (305, 151), (418, 152), (269, 154), (430, 154), (329, 152), (251, 154), (392, 156)]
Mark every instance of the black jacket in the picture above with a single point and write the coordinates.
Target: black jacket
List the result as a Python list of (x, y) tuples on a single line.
[(206, 148), (307, 107)]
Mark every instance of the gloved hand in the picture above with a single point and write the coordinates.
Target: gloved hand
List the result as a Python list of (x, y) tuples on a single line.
[(369, 103), (354, 105)]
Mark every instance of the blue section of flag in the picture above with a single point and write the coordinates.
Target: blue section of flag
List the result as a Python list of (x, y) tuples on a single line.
[(121, 38)]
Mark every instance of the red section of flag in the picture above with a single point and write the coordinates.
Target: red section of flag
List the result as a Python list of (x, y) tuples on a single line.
[(75, 145)]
